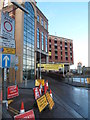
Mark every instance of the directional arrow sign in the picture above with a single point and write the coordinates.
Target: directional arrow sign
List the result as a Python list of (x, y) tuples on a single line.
[(6, 59)]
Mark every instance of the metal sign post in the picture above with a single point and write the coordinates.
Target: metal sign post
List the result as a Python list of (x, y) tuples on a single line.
[(5, 89), (40, 64)]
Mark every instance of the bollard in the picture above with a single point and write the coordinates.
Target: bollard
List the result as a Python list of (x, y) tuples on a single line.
[(25, 82)]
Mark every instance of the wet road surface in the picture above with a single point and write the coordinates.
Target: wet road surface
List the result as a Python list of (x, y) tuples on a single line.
[(75, 97)]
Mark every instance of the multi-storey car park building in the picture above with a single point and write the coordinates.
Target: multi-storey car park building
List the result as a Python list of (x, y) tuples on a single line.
[(61, 50), (31, 37)]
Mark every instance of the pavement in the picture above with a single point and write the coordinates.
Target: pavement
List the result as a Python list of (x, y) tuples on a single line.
[(60, 109)]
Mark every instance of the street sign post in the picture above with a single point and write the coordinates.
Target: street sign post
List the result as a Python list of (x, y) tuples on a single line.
[(7, 43), (7, 26), (6, 59)]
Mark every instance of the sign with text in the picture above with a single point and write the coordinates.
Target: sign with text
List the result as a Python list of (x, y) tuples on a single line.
[(36, 93), (7, 43), (42, 103), (8, 50), (38, 81), (7, 26), (12, 91), (29, 115), (50, 101), (51, 66)]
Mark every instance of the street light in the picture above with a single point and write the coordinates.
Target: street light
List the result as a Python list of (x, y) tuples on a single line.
[(21, 7)]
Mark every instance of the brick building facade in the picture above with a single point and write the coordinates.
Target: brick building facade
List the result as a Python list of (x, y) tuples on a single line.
[(61, 50)]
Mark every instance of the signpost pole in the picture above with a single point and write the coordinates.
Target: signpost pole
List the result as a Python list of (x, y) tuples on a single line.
[(5, 88), (40, 64)]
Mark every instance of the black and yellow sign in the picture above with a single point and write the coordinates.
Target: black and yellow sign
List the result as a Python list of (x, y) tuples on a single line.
[(42, 103), (50, 101), (51, 66), (38, 81), (8, 50)]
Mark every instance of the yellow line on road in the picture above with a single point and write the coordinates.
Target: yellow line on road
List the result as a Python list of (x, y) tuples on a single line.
[(13, 110)]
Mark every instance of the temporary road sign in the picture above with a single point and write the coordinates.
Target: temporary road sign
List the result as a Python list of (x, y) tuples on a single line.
[(50, 101), (8, 50), (7, 26), (12, 91), (51, 66), (42, 103), (49, 53), (38, 81), (36, 93), (29, 115), (8, 43), (6, 59)]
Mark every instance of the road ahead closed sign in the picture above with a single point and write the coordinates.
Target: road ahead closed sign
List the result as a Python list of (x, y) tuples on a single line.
[(29, 115), (50, 101), (42, 103)]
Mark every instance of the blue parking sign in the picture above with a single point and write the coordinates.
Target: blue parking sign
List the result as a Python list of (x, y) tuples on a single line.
[(6, 59)]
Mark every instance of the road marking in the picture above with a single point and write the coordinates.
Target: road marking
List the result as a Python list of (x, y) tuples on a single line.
[(10, 101), (13, 110)]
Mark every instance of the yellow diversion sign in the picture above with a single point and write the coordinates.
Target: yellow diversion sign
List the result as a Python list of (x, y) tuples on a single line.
[(51, 66), (50, 101), (9, 50), (38, 81), (42, 103)]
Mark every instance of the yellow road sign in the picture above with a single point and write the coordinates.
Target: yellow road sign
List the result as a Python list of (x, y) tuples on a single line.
[(9, 50), (42, 103), (51, 66), (50, 101), (38, 81), (10, 101), (49, 53)]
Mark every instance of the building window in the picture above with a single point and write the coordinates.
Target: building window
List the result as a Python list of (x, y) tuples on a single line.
[(49, 46), (42, 41), (28, 44), (38, 18), (50, 40), (61, 57), (55, 52), (61, 48), (38, 43), (70, 49), (50, 57), (55, 47), (56, 57), (55, 41), (61, 53), (45, 25), (46, 43), (66, 58), (42, 23), (61, 42)]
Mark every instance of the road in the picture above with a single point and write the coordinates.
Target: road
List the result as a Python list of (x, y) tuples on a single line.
[(76, 98)]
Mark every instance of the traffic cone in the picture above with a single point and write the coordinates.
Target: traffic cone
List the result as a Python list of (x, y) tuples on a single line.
[(47, 84), (51, 93), (22, 108)]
